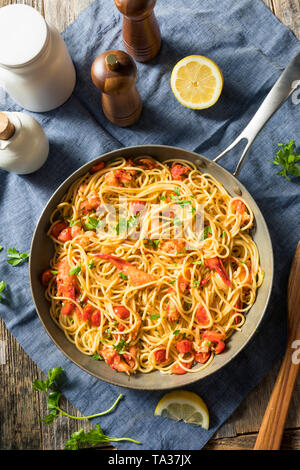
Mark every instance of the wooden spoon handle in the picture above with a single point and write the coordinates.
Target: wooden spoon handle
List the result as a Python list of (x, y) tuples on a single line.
[(270, 433)]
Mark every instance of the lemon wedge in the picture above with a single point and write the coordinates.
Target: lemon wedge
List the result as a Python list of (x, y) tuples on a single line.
[(197, 82), (183, 405)]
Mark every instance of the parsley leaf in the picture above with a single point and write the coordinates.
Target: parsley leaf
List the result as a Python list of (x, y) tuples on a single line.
[(177, 190), (176, 332), (15, 257), (50, 388), (74, 222), (75, 270), (97, 357), (92, 223), (154, 316), (2, 287), (123, 276), (287, 158), (207, 231), (121, 346), (91, 265), (92, 438)]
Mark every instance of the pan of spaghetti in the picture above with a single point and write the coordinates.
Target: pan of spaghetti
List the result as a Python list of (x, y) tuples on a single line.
[(151, 267)]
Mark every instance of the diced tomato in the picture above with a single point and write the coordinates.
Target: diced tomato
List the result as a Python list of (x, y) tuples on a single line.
[(57, 228), (177, 171), (95, 318), (202, 357), (241, 208), (217, 265), (137, 206), (213, 336), (122, 312), (66, 284), (97, 167), (67, 308), (75, 231), (201, 315), (220, 347), (121, 327), (87, 312), (65, 235), (160, 356), (184, 346), (46, 277), (177, 369), (124, 176), (183, 284), (216, 338)]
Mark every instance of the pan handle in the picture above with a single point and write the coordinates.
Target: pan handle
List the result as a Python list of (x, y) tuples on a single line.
[(285, 85)]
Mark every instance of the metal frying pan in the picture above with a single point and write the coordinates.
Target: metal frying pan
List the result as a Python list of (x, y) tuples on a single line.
[(42, 247)]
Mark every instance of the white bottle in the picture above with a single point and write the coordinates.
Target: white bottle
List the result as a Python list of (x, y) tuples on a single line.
[(24, 146), (35, 66)]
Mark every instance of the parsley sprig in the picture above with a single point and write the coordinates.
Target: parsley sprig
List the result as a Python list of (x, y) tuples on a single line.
[(287, 158), (15, 257), (2, 287), (50, 388), (92, 438)]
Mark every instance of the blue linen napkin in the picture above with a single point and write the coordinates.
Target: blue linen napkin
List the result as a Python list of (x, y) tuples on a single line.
[(251, 47)]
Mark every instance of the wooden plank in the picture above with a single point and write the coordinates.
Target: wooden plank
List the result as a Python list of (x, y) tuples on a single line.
[(288, 11), (290, 441)]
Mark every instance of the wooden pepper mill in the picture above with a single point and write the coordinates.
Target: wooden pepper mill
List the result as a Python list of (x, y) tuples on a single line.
[(114, 73), (141, 34)]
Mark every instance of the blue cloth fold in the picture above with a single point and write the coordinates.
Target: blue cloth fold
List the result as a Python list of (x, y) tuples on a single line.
[(251, 47)]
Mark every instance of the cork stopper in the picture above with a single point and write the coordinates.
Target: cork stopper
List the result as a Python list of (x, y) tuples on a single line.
[(7, 129), (112, 61)]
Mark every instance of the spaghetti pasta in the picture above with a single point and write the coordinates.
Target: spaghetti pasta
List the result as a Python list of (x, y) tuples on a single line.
[(139, 284)]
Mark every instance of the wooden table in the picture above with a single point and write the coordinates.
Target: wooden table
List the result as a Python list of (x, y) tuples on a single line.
[(21, 408)]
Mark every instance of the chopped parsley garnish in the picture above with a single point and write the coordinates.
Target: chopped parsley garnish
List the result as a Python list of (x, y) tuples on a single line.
[(97, 357), (197, 262), (177, 190), (121, 346), (16, 257), (121, 226), (207, 231), (154, 316), (177, 221), (196, 283), (75, 270), (2, 287), (176, 332), (154, 243), (74, 222), (123, 276), (91, 264), (92, 223), (287, 157), (162, 198)]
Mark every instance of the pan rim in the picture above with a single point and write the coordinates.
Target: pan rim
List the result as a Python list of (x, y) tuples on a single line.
[(193, 378)]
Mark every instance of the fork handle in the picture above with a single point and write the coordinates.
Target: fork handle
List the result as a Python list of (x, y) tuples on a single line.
[(285, 85), (272, 427)]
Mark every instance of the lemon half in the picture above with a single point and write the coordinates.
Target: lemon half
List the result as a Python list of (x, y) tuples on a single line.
[(197, 82), (183, 405)]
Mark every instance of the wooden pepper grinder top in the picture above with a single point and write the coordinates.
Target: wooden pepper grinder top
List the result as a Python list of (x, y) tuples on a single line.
[(141, 34), (114, 73)]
